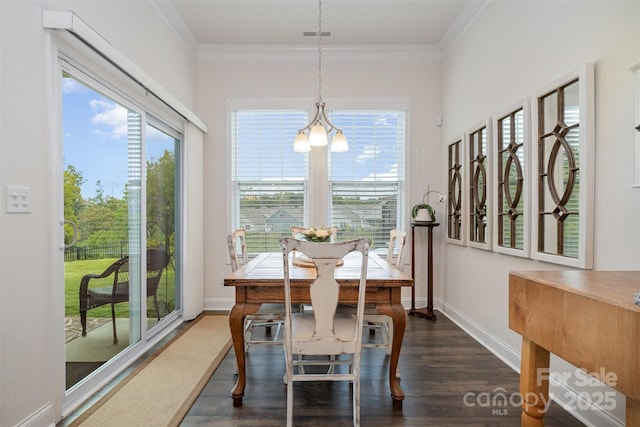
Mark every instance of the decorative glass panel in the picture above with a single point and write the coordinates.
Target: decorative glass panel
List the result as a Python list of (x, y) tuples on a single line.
[(564, 172), (511, 184), (479, 224), (454, 200), (558, 178)]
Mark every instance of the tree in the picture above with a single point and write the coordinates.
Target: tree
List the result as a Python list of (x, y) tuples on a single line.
[(73, 201), (161, 201)]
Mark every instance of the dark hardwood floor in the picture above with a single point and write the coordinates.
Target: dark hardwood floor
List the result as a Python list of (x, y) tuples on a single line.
[(439, 364)]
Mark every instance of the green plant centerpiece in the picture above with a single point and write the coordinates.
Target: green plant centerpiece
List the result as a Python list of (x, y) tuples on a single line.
[(317, 234), (424, 211)]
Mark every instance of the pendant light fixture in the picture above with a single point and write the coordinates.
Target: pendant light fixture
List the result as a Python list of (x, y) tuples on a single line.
[(320, 126)]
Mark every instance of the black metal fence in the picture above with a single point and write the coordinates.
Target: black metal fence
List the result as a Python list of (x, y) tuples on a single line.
[(107, 250)]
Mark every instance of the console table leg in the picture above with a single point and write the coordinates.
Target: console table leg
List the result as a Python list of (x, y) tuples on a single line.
[(633, 412), (534, 383)]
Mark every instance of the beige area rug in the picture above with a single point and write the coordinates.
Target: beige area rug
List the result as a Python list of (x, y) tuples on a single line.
[(160, 392)]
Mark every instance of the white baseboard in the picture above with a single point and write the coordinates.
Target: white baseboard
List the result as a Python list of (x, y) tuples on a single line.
[(560, 392), (42, 417)]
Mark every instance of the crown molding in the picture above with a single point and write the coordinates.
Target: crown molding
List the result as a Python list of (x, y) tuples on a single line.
[(308, 54), (169, 14), (464, 21)]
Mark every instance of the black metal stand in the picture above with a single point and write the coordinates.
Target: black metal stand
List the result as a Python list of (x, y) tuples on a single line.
[(426, 312)]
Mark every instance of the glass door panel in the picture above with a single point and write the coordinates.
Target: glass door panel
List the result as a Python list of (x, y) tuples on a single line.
[(163, 296), (103, 167)]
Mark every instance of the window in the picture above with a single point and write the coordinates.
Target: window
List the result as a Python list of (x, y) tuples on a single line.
[(512, 210), (269, 181), (368, 182), (273, 188), (563, 193)]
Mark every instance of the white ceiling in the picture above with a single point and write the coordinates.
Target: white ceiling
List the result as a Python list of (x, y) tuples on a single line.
[(351, 22)]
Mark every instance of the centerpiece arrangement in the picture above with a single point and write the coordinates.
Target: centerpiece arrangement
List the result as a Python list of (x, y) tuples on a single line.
[(322, 235), (317, 234), (424, 212)]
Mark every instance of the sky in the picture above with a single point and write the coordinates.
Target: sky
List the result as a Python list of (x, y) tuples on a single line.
[(95, 139)]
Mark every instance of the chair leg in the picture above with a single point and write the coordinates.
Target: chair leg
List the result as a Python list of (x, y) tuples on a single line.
[(113, 318), (289, 402), (356, 403), (83, 321), (155, 303), (389, 335)]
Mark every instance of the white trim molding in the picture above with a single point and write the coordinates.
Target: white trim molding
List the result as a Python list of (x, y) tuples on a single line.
[(308, 54)]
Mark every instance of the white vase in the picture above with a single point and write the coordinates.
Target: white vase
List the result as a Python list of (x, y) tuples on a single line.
[(423, 215)]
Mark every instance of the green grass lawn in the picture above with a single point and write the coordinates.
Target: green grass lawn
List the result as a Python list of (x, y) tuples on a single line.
[(74, 270)]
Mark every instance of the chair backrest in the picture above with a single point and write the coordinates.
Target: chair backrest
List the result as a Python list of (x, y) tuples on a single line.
[(296, 230), (324, 291), (237, 239), (396, 237), (157, 261)]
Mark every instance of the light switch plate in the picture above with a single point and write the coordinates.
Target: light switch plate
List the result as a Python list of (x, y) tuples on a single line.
[(18, 199)]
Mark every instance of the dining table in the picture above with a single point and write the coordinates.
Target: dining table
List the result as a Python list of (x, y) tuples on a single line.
[(261, 281)]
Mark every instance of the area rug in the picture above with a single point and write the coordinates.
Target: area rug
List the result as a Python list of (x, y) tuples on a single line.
[(161, 391)]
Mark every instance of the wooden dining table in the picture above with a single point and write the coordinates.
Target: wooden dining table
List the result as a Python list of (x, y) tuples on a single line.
[(261, 280)]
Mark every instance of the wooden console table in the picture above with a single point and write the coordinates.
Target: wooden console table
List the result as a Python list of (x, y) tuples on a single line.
[(426, 312), (587, 318)]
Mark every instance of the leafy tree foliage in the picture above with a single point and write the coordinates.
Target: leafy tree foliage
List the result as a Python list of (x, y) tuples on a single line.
[(161, 201), (73, 201)]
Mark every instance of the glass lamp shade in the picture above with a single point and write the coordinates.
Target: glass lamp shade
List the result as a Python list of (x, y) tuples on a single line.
[(318, 135), (301, 143), (339, 143)]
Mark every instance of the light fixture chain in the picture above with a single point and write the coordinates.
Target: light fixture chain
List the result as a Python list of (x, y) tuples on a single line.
[(320, 50)]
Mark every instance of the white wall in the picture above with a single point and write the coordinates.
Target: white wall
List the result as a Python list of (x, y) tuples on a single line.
[(512, 50), (28, 352), (219, 81)]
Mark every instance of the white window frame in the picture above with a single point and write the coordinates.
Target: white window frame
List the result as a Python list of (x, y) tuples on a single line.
[(316, 213), (381, 104)]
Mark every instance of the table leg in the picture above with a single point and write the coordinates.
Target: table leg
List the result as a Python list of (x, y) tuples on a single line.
[(633, 412), (534, 383), (236, 324), (399, 316)]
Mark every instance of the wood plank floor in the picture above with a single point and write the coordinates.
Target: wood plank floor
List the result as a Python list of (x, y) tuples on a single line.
[(439, 365)]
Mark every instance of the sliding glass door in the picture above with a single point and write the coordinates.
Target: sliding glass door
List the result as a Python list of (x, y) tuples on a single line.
[(120, 193)]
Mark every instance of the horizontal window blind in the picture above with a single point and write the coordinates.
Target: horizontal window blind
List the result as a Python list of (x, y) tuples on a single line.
[(367, 183), (269, 180)]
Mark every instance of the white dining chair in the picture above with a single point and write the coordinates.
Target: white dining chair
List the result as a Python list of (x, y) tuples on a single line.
[(323, 331), (374, 320), (269, 316)]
